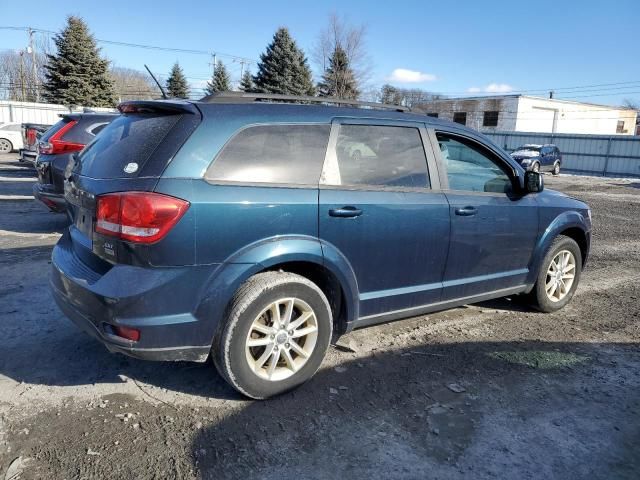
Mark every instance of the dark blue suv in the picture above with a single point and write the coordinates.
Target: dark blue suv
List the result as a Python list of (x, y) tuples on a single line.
[(538, 158), (251, 229)]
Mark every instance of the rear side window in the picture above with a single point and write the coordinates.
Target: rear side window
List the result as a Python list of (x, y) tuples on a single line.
[(128, 141), (276, 154), (379, 156)]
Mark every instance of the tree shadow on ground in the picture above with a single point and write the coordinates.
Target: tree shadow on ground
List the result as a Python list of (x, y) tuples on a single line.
[(478, 409), (631, 185)]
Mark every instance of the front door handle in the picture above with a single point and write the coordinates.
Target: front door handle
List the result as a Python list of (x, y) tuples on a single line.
[(466, 211), (345, 212)]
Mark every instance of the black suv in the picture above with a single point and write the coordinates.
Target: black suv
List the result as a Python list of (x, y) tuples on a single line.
[(55, 149)]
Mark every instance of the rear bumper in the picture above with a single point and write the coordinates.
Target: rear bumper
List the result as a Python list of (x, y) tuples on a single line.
[(28, 156), (156, 301), (55, 201)]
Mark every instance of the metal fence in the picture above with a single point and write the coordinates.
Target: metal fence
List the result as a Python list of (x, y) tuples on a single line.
[(604, 155), (44, 113)]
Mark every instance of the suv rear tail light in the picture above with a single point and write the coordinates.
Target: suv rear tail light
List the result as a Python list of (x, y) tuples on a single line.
[(56, 145), (140, 217), (31, 136)]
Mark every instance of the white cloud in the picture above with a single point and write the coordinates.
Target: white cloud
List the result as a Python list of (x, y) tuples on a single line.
[(492, 88), (403, 75), (498, 88)]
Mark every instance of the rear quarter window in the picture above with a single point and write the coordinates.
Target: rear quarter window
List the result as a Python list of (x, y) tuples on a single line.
[(130, 138), (272, 154)]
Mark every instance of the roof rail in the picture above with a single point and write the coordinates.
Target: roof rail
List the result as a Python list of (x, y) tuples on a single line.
[(236, 97)]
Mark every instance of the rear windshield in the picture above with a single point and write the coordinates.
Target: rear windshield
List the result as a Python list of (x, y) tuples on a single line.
[(49, 133), (124, 146)]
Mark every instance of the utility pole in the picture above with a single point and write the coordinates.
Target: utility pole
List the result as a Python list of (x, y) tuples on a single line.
[(243, 62), (213, 56), (22, 82), (34, 66)]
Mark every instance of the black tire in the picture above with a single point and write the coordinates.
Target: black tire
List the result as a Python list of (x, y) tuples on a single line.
[(538, 295), (556, 168), (535, 167), (257, 293)]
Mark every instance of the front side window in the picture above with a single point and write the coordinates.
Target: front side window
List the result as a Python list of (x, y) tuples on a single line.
[(374, 155), (471, 168), (276, 154)]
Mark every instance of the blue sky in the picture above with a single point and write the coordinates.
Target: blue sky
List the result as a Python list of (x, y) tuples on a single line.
[(456, 48)]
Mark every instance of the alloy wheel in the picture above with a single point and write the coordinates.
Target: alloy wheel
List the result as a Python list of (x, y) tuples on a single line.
[(536, 167), (5, 146), (560, 275), (281, 339)]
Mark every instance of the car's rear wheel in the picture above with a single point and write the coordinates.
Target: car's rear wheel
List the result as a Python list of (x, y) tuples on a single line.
[(536, 167), (5, 146), (278, 329), (559, 275), (556, 168)]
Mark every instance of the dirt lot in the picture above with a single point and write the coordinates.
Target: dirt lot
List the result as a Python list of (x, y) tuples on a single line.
[(485, 391)]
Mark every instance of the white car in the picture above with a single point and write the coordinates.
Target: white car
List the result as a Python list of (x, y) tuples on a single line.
[(10, 137)]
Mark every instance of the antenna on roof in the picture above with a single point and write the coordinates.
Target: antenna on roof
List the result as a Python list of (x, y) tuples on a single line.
[(164, 95)]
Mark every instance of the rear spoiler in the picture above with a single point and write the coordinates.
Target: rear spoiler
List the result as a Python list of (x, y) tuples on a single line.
[(170, 107)]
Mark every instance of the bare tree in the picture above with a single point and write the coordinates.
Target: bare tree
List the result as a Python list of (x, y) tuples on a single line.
[(19, 80), (351, 39), (415, 98), (133, 84), (630, 103)]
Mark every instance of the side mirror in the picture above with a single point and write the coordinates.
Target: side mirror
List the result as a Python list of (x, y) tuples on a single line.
[(533, 182)]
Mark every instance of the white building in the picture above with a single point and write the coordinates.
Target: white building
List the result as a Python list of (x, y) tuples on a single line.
[(523, 113)]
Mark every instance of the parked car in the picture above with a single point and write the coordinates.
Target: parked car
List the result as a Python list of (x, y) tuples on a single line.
[(10, 137), (539, 158), (56, 148), (31, 134), (239, 229)]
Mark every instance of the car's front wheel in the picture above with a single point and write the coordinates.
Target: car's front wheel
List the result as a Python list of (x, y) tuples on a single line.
[(558, 276), (278, 329), (535, 167), (556, 168)]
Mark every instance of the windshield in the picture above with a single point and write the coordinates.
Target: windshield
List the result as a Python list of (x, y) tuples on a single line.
[(531, 148)]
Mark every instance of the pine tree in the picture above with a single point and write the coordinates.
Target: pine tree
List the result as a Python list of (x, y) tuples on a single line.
[(246, 82), (76, 74), (338, 80), (177, 86), (283, 68), (220, 82)]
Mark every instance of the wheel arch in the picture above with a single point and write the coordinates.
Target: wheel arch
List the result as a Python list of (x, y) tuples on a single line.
[(571, 224), (301, 255)]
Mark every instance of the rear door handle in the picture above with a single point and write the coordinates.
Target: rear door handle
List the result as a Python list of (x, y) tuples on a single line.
[(466, 211), (345, 212)]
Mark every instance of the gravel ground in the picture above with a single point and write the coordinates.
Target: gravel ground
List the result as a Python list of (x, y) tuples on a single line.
[(483, 391)]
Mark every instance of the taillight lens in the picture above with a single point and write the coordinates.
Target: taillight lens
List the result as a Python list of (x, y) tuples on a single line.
[(140, 217), (31, 136), (56, 145)]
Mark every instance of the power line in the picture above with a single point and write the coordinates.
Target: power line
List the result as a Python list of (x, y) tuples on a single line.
[(143, 46)]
